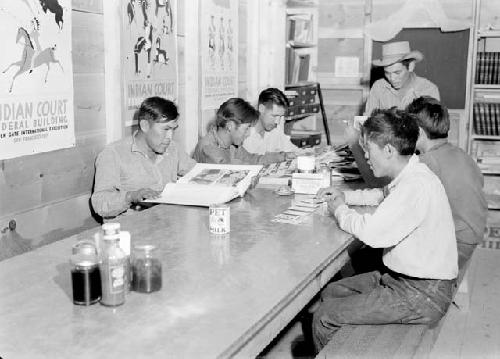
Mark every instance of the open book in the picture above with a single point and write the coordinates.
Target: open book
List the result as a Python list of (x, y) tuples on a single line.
[(208, 184)]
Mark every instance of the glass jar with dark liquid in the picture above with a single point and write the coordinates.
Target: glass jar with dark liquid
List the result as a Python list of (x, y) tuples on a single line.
[(146, 269), (85, 279)]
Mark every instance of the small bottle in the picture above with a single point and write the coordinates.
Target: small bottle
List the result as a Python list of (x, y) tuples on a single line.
[(327, 174), (112, 271), (85, 278), (125, 247), (146, 269)]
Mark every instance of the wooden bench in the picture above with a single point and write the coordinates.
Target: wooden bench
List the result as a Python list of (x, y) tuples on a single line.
[(394, 340)]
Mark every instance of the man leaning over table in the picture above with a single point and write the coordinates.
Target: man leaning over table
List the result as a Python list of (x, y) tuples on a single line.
[(138, 167), (268, 134), (223, 143), (414, 225), (399, 86)]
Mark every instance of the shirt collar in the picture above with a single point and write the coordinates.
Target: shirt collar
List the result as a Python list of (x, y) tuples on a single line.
[(136, 148), (438, 145), (218, 140), (408, 168)]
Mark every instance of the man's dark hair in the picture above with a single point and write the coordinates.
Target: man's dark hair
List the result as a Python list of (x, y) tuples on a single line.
[(273, 96), (157, 109), (395, 127), (237, 110), (406, 63), (431, 116)]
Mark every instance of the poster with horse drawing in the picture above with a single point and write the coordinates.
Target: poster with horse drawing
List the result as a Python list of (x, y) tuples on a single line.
[(149, 52), (36, 77)]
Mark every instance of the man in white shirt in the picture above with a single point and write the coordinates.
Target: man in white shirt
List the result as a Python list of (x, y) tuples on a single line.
[(414, 225), (268, 133)]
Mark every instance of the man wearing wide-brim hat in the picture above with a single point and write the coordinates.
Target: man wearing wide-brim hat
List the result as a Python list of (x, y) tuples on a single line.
[(400, 86)]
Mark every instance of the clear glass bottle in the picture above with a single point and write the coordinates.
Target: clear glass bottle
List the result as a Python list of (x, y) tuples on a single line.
[(326, 173), (113, 271), (146, 269)]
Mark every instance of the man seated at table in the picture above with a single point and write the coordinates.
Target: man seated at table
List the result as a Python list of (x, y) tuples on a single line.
[(459, 174), (461, 177), (399, 86), (137, 167), (223, 142), (268, 133), (413, 223)]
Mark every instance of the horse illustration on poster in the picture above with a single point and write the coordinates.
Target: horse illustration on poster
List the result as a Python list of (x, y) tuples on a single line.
[(29, 60)]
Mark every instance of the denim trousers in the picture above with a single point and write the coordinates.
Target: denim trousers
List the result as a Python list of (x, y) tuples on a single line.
[(379, 298)]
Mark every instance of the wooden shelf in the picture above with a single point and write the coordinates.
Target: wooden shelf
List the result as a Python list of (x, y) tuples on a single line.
[(488, 33), (486, 87), (490, 171), (485, 137), (300, 45)]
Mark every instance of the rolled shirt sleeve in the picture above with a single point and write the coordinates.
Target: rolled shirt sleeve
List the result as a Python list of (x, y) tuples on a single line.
[(396, 217), (366, 197), (108, 199), (244, 157)]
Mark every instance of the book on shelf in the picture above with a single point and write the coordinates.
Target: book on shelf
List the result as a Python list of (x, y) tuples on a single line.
[(298, 63), (299, 28), (487, 155), (486, 118), (487, 68)]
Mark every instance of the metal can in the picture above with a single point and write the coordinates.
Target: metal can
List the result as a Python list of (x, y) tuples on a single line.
[(219, 218)]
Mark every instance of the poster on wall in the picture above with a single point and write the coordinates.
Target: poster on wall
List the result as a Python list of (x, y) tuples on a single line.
[(219, 51), (36, 77), (149, 52)]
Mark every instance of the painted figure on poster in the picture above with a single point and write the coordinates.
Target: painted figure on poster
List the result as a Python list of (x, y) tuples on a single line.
[(54, 7), (24, 63), (222, 45), (160, 52), (211, 41), (165, 29), (145, 6), (47, 57), (131, 11), (229, 44), (144, 43)]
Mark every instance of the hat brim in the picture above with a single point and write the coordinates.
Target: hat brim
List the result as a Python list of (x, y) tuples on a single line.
[(415, 55)]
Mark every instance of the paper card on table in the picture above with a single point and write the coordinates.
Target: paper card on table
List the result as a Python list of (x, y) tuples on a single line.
[(295, 213), (306, 204), (286, 216), (302, 209)]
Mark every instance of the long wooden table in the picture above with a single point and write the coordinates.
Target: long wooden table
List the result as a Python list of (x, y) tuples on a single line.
[(221, 297)]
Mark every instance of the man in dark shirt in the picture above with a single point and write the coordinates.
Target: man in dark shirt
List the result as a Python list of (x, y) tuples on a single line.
[(459, 173)]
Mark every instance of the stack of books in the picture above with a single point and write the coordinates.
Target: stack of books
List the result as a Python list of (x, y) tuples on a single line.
[(487, 155), (488, 68), (486, 118), (298, 53)]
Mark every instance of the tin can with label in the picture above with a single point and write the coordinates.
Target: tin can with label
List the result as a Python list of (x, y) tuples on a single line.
[(219, 218)]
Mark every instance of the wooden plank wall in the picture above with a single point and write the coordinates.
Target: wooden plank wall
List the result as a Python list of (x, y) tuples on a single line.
[(47, 194)]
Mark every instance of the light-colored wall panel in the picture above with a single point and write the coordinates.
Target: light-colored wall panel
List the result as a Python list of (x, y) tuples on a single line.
[(88, 43), (89, 103), (341, 14), (94, 6)]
